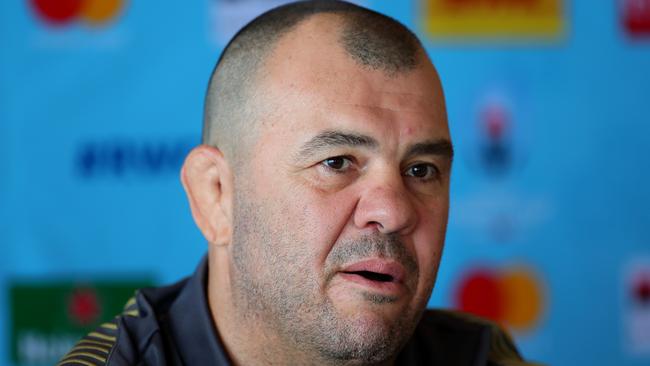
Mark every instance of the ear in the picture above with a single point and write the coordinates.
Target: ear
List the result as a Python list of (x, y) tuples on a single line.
[(208, 183)]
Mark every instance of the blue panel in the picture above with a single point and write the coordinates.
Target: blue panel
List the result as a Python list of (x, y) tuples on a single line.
[(551, 172)]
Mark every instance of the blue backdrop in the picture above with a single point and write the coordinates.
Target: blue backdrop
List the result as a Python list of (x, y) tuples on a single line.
[(550, 193)]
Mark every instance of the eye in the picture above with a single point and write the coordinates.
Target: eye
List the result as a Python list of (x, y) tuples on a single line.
[(423, 171), (337, 163)]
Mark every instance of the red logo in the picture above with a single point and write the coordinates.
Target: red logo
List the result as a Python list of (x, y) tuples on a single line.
[(93, 12), (641, 290), (636, 17), (513, 297), (84, 307)]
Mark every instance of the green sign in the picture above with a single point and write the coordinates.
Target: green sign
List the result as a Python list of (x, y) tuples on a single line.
[(49, 318)]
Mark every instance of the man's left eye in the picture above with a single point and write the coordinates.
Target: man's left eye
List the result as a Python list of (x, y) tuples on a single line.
[(423, 171), (337, 163)]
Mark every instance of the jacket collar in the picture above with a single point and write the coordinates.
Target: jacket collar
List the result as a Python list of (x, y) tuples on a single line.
[(192, 325)]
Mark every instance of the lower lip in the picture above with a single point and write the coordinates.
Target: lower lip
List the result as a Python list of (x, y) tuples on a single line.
[(388, 288)]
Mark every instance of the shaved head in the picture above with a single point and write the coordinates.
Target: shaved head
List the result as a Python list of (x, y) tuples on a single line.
[(333, 163), (232, 102)]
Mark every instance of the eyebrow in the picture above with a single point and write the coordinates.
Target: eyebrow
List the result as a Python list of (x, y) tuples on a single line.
[(328, 139), (440, 147)]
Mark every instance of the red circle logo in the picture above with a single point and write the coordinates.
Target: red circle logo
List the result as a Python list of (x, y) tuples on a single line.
[(512, 297), (83, 306), (93, 12)]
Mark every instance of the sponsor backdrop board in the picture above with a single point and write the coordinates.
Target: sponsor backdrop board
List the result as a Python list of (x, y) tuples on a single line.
[(549, 230)]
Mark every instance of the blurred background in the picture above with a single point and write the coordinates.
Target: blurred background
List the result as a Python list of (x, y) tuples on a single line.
[(548, 103)]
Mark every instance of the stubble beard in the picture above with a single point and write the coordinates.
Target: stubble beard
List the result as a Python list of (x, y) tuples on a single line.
[(273, 285)]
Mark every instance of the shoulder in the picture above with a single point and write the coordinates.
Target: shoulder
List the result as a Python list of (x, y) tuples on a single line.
[(106, 343), (461, 336), (134, 336)]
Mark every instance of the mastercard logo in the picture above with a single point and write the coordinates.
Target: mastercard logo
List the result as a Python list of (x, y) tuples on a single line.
[(512, 297), (93, 12)]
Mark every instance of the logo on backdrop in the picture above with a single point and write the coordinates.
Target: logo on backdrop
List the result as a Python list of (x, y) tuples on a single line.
[(495, 146), (83, 306), (494, 19), (512, 296), (91, 12), (496, 135), (48, 318), (636, 307), (123, 158), (636, 17)]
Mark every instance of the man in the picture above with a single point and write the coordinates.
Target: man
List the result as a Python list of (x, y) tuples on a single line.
[(322, 188)]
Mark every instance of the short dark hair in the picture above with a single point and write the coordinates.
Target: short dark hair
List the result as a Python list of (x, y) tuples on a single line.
[(372, 39)]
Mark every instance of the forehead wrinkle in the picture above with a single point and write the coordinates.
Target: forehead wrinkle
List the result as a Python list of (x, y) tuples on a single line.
[(383, 108), (376, 96), (405, 101)]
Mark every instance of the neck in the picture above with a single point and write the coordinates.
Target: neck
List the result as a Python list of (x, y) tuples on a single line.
[(246, 339)]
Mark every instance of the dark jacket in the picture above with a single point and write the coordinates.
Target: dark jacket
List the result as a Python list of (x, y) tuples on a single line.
[(173, 326)]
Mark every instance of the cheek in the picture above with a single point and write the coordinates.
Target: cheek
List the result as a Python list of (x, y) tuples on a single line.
[(429, 239), (325, 217), (311, 219)]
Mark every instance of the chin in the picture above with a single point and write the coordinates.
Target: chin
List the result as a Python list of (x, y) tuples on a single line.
[(370, 305), (362, 327), (367, 338)]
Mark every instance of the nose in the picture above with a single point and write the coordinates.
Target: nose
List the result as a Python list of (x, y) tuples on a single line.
[(385, 204)]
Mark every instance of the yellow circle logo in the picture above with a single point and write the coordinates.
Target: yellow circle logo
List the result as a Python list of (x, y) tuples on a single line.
[(93, 12)]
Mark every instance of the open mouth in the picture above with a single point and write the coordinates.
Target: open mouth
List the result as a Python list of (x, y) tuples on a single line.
[(373, 276), (378, 274)]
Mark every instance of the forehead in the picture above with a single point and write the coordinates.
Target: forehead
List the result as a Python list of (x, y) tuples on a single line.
[(308, 80)]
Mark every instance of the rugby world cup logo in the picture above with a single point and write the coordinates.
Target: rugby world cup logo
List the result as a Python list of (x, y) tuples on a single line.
[(495, 146), (498, 139)]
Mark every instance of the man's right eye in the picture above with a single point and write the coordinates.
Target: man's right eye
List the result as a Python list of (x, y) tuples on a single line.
[(337, 163)]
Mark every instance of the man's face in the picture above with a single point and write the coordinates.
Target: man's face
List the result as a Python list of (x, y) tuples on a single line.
[(340, 214)]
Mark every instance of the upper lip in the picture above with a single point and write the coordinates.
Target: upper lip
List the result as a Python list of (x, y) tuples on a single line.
[(378, 265)]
